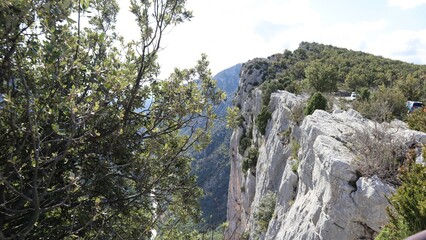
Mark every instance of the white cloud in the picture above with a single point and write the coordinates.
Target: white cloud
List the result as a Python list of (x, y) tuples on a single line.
[(406, 4), (235, 31), (228, 31), (405, 45)]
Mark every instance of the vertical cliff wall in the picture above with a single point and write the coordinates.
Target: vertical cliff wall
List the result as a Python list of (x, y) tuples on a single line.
[(307, 166)]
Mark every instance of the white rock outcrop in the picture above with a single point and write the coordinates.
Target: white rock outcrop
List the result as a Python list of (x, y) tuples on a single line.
[(320, 193)]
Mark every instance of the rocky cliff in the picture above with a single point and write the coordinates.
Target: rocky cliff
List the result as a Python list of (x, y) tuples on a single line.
[(309, 166)]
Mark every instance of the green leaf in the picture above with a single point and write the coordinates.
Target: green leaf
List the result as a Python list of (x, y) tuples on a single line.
[(55, 128)]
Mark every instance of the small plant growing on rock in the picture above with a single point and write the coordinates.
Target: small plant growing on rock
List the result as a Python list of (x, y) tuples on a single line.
[(295, 146), (245, 235), (245, 142), (250, 161), (316, 101), (265, 211), (297, 113), (295, 166), (262, 119)]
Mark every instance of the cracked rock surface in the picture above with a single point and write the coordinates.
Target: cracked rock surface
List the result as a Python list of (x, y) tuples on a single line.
[(324, 196)]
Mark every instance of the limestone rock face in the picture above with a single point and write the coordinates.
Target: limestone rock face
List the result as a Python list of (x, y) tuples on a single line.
[(311, 168)]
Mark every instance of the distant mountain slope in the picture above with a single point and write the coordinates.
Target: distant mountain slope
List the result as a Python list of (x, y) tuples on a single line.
[(212, 164)]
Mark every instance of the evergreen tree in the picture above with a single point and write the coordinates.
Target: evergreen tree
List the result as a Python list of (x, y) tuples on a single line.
[(321, 76), (92, 143)]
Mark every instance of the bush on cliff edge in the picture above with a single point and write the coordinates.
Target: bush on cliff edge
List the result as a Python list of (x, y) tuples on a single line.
[(316, 101), (408, 215)]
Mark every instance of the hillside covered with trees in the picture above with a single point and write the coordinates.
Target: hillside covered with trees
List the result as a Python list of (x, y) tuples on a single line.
[(383, 85)]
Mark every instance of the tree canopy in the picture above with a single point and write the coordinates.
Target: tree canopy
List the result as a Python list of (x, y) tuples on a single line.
[(93, 144)]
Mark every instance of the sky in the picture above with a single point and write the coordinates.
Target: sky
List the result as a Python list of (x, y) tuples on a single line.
[(235, 31)]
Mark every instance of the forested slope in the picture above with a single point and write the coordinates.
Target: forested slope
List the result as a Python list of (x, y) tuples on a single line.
[(212, 164)]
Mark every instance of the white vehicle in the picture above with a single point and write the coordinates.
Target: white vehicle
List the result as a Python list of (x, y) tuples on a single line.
[(352, 97)]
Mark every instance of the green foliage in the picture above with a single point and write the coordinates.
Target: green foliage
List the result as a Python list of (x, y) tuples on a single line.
[(272, 86), (326, 68), (408, 215), (363, 94), (265, 211), (245, 235), (295, 166), (92, 145), (321, 76), (233, 118), (212, 167), (413, 86), (359, 77), (384, 105), (295, 147), (297, 113), (417, 120), (262, 119), (190, 231), (245, 142), (374, 109), (316, 101), (250, 161)]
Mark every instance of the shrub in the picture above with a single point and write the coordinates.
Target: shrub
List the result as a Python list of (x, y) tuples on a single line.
[(364, 94), (250, 161), (408, 215), (295, 146), (297, 115), (316, 101), (245, 235), (376, 110), (295, 166), (265, 211), (294, 87), (379, 153), (262, 119), (384, 105), (417, 120), (272, 86), (245, 142)]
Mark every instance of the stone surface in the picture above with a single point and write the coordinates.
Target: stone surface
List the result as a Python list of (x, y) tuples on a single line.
[(324, 197)]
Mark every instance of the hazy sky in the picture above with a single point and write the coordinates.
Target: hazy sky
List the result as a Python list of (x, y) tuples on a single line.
[(234, 31)]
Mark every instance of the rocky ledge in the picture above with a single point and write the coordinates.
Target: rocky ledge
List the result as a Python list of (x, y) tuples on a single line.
[(312, 169)]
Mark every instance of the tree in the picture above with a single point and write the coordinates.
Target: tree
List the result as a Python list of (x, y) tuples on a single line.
[(92, 144), (411, 87), (321, 76)]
